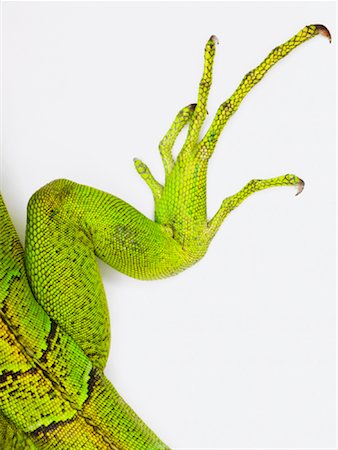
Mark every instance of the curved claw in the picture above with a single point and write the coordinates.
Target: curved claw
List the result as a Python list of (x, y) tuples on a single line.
[(192, 106), (214, 39), (300, 186), (324, 31)]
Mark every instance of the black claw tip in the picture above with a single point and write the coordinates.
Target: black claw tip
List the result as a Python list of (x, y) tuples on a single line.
[(214, 39), (192, 106), (300, 186), (324, 31)]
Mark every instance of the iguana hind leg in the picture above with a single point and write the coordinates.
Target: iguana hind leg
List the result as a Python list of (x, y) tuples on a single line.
[(70, 224)]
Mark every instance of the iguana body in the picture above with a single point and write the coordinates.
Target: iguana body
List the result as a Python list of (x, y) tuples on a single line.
[(55, 328)]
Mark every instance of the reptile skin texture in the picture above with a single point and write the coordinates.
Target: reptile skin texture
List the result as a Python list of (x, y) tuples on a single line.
[(54, 321)]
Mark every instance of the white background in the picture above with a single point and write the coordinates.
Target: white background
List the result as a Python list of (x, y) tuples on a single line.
[(238, 351)]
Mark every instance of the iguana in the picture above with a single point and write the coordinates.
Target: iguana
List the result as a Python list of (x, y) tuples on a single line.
[(54, 317)]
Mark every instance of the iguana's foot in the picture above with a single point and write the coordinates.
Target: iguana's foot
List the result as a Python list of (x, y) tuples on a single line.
[(180, 204)]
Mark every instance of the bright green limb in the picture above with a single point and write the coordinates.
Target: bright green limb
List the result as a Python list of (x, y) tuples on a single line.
[(203, 94), (69, 222), (169, 139), (227, 109), (230, 203), (144, 171)]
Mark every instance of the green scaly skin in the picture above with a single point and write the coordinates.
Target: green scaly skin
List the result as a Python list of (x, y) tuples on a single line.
[(53, 311)]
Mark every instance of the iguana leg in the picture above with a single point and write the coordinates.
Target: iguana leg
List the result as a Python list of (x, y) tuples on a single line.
[(69, 225)]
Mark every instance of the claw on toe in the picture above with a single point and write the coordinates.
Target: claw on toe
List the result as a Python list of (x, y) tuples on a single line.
[(324, 31), (214, 39), (300, 186)]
